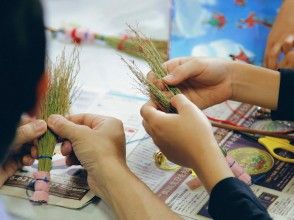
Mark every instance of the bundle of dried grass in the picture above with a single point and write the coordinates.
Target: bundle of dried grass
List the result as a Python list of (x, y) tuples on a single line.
[(151, 55), (60, 94)]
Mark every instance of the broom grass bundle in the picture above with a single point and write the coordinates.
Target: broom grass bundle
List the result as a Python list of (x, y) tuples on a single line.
[(126, 44), (155, 61), (60, 94)]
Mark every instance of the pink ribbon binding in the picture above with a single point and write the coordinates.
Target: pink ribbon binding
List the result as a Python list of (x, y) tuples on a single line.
[(237, 170), (41, 193)]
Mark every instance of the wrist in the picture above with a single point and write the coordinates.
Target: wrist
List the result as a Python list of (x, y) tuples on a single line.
[(255, 85), (108, 175), (211, 167)]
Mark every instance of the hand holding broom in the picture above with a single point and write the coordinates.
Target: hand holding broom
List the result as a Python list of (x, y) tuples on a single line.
[(60, 94), (163, 101)]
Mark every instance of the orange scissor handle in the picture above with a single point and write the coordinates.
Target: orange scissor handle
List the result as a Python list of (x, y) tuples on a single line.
[(272, 144)]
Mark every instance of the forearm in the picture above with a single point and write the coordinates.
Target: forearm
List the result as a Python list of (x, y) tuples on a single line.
[(255, 85), (130, 198), (211, 167)]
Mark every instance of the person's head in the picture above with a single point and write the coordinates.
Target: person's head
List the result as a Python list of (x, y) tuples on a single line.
[(22, 57)]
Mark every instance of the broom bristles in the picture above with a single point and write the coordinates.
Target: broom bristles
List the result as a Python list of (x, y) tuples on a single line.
[(60, 94)]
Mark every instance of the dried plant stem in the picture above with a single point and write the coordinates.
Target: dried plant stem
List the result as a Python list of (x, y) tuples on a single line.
[(61, 91)]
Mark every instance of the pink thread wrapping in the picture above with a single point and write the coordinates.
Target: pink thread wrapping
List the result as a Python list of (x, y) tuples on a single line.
[(237, 170), (41, 193)]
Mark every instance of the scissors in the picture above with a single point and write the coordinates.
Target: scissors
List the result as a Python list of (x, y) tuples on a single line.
[(272, 144)]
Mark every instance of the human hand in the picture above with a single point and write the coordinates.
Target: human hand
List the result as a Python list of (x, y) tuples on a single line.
[(98, 143), (288, 61), (204, 81), (22, 150), (281, 37), (187, 139)]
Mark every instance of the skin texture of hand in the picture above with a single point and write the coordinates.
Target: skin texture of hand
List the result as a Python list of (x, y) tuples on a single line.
[(98, 143), (95, 140), (281, 37), (207, 82), (22, 151), (187, 139), (288, 61)]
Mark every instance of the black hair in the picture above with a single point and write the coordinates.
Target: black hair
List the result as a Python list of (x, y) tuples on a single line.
[(22, 57)]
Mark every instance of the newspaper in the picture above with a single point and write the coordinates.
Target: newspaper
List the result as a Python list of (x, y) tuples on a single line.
[(68, 185), (275, 189)]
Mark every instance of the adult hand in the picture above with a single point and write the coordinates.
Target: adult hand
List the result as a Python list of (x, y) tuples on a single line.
[(98, 142), (22, 150), (205, 82), (281, 37), (208, 81)]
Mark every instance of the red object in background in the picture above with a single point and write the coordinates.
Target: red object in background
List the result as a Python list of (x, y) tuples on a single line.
[(240, 2), (252, 20), (221, 20), (241, 57)]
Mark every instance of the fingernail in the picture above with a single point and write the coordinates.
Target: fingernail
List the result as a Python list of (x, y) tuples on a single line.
[(169, 77), (53, 119), (40, 125)]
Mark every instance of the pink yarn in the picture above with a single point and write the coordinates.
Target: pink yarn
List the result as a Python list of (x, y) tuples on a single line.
[(41, 193)]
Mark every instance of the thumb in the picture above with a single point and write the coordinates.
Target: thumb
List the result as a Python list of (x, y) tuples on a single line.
[(182, 103), (64, 128), (28, 132), (192, 68)]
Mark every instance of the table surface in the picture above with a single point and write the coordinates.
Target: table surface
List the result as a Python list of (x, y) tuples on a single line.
[(101, 68)]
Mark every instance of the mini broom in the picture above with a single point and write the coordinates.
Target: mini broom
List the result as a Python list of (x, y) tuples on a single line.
[(125, 43), (60, 94)]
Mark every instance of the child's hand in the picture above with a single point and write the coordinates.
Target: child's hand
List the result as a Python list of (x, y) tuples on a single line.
[(187, 139), (205, 82), (281, 37)]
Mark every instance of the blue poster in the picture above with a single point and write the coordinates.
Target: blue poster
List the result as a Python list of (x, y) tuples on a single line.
[(230, 29)]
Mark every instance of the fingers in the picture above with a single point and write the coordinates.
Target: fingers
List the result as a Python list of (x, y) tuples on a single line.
[(27, 160), (90, 120), (288, 61), (25, 119), (182, 103), (149, 112), (28, 132), (65, 128), (273, 55), (288, 44), (66, 148), (273, 51), (191, 68)]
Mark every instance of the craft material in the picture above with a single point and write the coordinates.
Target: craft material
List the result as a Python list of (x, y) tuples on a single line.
[(60, 94), (125, 43)]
